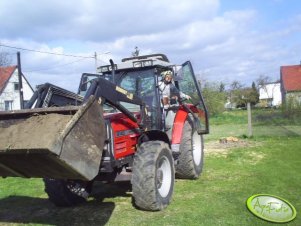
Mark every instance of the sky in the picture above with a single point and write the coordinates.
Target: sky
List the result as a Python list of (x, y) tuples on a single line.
[(226, 40)]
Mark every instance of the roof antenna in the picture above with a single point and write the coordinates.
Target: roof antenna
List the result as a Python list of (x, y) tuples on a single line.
[(136, 52)]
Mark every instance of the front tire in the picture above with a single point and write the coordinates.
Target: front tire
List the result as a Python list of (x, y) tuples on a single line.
[(191, 156), (66, 193), (153, 176)]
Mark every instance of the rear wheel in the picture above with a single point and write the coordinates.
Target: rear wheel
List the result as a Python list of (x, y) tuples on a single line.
[(153, 176), (66, 192), (191, 153)]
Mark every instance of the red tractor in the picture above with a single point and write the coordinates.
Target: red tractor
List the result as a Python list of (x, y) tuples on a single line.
[(117, 122)]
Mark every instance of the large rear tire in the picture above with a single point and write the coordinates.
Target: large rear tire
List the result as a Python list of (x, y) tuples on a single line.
[(153, 176), (65, 193), (191, 156)]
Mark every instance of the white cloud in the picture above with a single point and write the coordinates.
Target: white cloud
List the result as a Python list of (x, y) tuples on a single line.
[(98, 20), (222, 46)]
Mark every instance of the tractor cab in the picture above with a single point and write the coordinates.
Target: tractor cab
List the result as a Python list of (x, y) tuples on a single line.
[(141, 77)]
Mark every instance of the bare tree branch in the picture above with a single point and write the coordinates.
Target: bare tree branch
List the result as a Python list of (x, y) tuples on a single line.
[(5, 58)]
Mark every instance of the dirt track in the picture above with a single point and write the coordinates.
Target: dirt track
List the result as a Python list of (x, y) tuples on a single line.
[(222, 149)]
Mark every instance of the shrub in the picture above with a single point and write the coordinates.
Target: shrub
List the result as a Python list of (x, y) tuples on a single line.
[(214, 98)]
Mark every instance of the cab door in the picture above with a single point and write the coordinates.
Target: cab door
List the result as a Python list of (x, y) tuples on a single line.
[(187, 83)]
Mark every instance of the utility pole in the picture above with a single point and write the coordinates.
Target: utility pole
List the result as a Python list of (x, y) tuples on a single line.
[(20, 81), (95, 57), (250, 132)]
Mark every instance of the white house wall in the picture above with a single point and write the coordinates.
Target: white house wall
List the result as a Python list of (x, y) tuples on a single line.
[(10, 94), (271, 91)]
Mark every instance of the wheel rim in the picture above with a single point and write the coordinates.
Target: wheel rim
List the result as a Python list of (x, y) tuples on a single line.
[(196, 148), (163, 176), (78, 189)]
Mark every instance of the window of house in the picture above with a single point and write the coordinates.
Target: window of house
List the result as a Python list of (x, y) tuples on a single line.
[(16, 86), (8, 105), (270, 102)]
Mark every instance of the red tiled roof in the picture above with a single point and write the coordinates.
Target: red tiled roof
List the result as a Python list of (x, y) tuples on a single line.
[(5, 73), (291, 77)]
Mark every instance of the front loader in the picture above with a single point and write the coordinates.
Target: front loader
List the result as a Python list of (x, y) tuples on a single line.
[(115, 123)]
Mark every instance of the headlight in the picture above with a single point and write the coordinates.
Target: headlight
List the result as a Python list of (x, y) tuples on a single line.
[(143, 63), (106, 68)]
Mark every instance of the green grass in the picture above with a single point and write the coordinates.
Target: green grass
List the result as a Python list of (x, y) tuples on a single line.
[(270, 165), (230, 117), (259, 131), (265, 123), (217, 198), (262, 117)]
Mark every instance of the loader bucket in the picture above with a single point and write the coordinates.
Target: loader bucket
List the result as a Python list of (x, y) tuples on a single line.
[(57, 142)]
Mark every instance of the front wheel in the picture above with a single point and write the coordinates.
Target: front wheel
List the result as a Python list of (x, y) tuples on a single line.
[(66, 193), (191, 156), (153, 176)]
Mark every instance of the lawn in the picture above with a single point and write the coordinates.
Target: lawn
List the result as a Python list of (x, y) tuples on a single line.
[(267, 163), (266, 123)]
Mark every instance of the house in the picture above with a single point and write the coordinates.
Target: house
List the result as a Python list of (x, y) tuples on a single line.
[(290, 78), (270, 95), (9, 89)]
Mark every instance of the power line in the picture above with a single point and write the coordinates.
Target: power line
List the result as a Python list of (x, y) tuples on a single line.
[(55, 66), (45, 52)]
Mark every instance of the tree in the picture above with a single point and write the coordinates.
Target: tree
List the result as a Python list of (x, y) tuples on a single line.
[(248, 95), (236, 85), (254, 86), (264, 83), (5, 58), (254, 93), (263, 80), (214, 99), (242, 95), (222, 87), (234, 94)]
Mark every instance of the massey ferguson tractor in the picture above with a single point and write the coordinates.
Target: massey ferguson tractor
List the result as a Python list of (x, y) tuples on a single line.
[(116, 123)]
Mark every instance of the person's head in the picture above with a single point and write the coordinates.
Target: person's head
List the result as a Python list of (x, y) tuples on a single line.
[(167, 76)]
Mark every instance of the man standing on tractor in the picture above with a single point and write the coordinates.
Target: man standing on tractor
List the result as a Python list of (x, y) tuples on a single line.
[(166, 86), (169, 97)]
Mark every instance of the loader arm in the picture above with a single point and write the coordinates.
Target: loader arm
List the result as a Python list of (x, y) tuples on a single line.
[(48, 95), (112, 94)]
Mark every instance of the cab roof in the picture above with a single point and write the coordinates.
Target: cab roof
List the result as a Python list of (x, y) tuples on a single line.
[(138, 62)]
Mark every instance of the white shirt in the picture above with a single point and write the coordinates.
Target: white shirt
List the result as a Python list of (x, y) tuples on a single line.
[(165, 89)]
